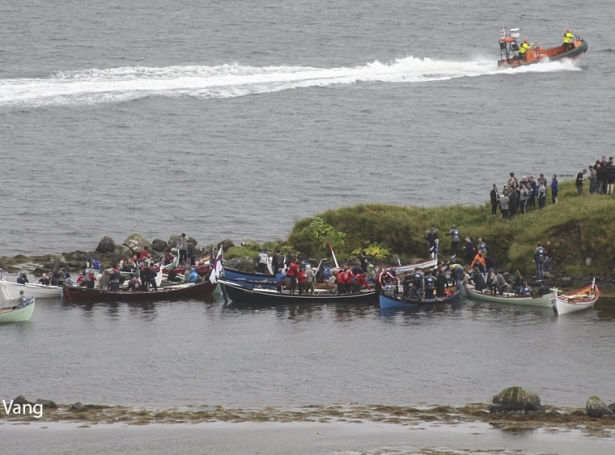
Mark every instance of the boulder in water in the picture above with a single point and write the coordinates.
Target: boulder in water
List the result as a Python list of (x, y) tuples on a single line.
[(106, 245), (595, 407), (517, 399)]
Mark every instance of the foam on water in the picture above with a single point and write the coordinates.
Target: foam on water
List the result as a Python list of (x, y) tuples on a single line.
[(116, 85)]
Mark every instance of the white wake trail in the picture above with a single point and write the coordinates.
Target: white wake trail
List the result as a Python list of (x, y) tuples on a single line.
[(227, 81)]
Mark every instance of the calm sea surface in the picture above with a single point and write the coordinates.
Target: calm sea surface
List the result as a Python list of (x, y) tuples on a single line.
[(233, 119)]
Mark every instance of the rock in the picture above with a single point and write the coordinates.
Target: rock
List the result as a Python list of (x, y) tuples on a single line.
[(136, 242), (78, 406), (47, 403), (120, 251), (577, 413), (21, 400), (159, 245), (106, 245), (226, 244), (495, 408), (517, 399), (595, 407), (173, 241), (612, 407), (244, 264)]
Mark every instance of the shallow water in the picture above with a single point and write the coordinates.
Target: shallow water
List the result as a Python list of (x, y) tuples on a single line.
[(180, 353)]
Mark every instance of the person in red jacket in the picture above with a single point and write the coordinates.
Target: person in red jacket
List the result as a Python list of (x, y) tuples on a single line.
[(301, 280), (350, 277), (291, 273), (341, 282), (361, 281), (144, 254)]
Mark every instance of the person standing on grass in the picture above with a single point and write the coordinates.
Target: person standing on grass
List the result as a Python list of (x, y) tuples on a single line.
[(593, 179), (610, 176), (539, 259), (504, 201), (554, 188), (495, 199), (579, 181), (542, 196)]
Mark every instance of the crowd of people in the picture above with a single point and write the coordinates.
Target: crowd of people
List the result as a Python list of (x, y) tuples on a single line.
[(601, 177), (518, 197)]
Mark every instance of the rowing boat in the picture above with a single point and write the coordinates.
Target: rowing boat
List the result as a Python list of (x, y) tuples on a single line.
[(240, 293), (11, 290), (14, 314), (398, 301), (508, 298), (582, 299), (196, 291)]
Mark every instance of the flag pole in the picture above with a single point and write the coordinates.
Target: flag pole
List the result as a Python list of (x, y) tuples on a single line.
[(333, 253)]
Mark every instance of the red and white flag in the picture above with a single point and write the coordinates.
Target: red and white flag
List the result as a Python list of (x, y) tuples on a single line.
[(216, 269)]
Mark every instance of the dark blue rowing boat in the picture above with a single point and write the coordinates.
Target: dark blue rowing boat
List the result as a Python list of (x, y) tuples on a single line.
[(399, 302)]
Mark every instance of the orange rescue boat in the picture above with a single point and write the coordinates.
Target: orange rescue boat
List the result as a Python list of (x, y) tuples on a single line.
[(509, 50)]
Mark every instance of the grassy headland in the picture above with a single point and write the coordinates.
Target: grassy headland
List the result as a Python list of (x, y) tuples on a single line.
[(579, 228)]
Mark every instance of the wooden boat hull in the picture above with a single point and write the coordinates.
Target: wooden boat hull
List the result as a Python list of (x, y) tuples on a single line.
[(11, 290), (397, 301), (240, 293), (538, 54), (192, 291), (508, 298), (580, 300), (18, 314), (417, 265)]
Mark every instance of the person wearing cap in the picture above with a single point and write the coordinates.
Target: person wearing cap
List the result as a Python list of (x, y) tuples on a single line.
[(568, 37), (523, 49), (181, 246)]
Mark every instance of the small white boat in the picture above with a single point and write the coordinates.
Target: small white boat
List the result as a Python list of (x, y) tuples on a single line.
[(417, 265), (580, 300), (15, 314), (11, 290)]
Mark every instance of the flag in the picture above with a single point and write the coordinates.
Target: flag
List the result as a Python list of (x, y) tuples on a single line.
[(217, 268), (398, 261)]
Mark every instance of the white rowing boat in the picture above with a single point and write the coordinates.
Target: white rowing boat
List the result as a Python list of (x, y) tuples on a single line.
[(582, 299), (11, 290), (508, 298)]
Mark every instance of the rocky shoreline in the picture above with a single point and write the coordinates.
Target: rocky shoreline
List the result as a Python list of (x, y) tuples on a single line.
[(513, 408)]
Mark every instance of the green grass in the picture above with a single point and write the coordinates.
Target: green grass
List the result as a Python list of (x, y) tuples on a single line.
[(578, 226)]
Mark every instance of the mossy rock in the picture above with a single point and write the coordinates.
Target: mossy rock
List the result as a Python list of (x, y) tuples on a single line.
[(136, 242)]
